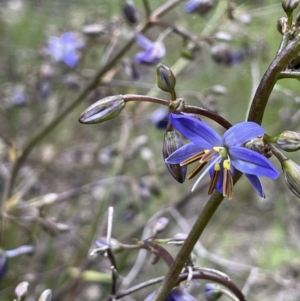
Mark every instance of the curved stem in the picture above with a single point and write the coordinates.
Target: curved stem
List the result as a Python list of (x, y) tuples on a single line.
[(187, 108), (269, 80)]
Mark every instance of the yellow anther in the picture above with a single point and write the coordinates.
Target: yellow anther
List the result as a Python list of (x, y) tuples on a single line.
[(217, 148), (217, 167), (226, 164), (206, 151)]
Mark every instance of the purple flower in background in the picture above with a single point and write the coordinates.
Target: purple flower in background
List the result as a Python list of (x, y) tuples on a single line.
[(223, 154), (200, 6), (63, 48), (153, 51), (176, 294)]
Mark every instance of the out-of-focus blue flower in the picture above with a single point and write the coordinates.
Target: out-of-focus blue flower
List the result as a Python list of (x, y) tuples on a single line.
[(213, 292), (200, 6), (176, 294), (4, 255), (223, 154), (153, 51), (63, 48), (160, 117)]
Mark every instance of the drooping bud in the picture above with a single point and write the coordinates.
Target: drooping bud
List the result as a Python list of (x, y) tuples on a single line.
[(159, 225), (289, 141), (212, 292), (282, 25), (21, 290), (103, 109), (289, 5), (165, 78), (172, 142), (130, 12), (291, 172)]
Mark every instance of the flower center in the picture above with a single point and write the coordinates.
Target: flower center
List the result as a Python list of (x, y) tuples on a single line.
[(221, 166)]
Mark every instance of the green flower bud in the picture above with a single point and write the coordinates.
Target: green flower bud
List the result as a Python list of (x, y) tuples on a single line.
[(165, 78), (103, 109), (172, 142), (289, 141), (289, 5), (130, 12), (282, 25), (291, 172)]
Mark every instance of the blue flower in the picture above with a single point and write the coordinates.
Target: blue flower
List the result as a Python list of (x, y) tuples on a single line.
[(176, 294), (223, 154), (63, 48), (154, 51), (200, 6)]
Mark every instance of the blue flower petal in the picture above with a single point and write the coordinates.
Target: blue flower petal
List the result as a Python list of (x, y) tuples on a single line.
[(256, 183), (242, 132), (192, 5), (196, 131), (144, 42), (251, 162), (70, 58), (183, 153)]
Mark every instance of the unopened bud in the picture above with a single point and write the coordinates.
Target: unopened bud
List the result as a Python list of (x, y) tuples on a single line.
[(21, 290), (159, 225), (291, 172), (178, 239), (130, 12), (256, 144), (282, 25), (165, 78), (46, 295), (289, 141), (172, 142), (289, 5), (212, 292), (103, 109)]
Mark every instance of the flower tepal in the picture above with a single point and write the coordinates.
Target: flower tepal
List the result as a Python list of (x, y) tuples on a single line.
[(153, 51), (223, 154), (63, 48)]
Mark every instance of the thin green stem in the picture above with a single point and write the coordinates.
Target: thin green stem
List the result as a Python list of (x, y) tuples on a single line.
[(147, 8)]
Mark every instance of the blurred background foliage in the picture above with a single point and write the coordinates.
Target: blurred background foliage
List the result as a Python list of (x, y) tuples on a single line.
[(84, 169)]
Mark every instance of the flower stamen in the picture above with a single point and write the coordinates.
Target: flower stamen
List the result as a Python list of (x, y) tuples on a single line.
[(214, 178), (196, 170), (192, 159), (227, 180)]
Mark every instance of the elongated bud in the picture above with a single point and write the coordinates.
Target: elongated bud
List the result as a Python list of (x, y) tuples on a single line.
[(21, 290), (46, 295), (114, 244), (159, 225), (103, 109), (289, 5), (165, 78), (178, 239), (212, 292), (130, 12), (256, 144), (289, 141), (282, 25), (291, 172), (172, 142)]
